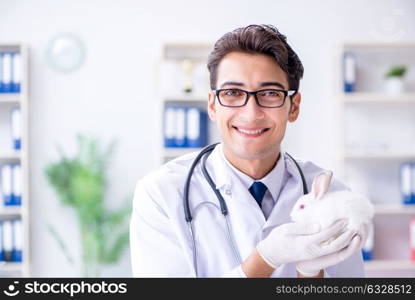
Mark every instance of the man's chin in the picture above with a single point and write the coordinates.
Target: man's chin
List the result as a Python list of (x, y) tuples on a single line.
[(251, 153)]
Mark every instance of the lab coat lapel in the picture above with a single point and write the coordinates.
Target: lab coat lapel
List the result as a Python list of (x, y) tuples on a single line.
[(245, 215), (290, 192), (247, 219)]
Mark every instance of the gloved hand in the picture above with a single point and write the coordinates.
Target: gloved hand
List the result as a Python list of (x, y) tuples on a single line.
[(363, 232), (299, 242), (312, 267)]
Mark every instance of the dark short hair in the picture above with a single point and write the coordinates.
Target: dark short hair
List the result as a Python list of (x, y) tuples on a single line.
[(257, 39)]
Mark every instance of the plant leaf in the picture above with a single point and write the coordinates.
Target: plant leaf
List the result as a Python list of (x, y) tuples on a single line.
[(115, 249), (61, 244)]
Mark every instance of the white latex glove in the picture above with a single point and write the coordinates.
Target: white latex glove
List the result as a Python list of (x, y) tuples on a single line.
[(297, 242), (311, 268), (363, 232)]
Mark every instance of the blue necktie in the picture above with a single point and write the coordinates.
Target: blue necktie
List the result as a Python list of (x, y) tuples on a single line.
[(258, 190)]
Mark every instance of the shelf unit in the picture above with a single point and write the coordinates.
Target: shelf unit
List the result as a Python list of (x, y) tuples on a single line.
[(10, 211), (381, 98), (7, 102), (399, 265), (175, 152), (379, 155), (172, 79), (377, 134), (394, 209)]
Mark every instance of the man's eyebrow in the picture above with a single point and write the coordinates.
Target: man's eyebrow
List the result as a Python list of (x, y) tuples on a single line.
[(276, 83), (232, 83), (263, 84)]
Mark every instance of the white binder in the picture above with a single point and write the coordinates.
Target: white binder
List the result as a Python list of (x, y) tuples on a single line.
[(6, 184), (17, 240), (16, 74), (7, 239), (6, 72), (16, 128), (17, 184), (180, 127), (169, 126)]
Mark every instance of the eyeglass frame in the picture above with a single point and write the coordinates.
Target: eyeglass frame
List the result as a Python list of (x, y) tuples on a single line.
[(254, 93)]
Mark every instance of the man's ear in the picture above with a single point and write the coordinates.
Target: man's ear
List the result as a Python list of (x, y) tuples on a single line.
[(211, 106), (294, 107)]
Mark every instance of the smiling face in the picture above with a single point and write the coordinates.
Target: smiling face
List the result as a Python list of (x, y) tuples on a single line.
[(251, 132)]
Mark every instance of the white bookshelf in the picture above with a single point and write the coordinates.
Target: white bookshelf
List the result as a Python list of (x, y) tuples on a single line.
[(378, 98), (386, 265), (376, 133), (185, 98), (174, 152), (171, 79), (7, 102), (395, 209), (379, 155), (11, 155), (10, 98), (10, 211)]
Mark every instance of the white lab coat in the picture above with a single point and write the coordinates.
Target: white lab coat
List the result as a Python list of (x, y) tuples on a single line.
[(161, 244)]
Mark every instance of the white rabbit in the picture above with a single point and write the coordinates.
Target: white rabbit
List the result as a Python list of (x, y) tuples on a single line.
[(325, 208)]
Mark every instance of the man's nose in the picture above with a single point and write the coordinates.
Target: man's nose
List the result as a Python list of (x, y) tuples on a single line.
[(252, 111)]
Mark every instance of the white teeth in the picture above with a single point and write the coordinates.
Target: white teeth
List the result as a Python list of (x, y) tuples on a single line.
[(251, 131)]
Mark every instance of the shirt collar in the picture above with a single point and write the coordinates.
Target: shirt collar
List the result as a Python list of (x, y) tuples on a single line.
[(218, 166), (273, 180)]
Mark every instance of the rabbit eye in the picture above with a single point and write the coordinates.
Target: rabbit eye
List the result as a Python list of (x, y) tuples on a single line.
[(302, 206)]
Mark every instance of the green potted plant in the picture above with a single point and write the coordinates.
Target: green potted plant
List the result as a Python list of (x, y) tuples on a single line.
[(80, 182), (394, 79)]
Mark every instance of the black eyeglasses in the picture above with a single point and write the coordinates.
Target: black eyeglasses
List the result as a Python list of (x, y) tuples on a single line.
[(269, 98)]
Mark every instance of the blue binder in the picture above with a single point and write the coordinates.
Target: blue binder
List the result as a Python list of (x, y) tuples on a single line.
[(1, 242), (367, 255), (196, 127), (1, 72), (407, 173), (413, 183)]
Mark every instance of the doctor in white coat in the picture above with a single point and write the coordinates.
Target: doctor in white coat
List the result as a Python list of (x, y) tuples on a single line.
[(254, 77)]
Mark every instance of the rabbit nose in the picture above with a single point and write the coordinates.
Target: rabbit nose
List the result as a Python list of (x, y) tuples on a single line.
[(302, 206)]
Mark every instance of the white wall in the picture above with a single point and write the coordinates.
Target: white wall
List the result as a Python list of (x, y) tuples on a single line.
[(112, 95)]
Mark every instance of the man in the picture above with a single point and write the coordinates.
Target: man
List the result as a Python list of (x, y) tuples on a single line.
[(254, 78)]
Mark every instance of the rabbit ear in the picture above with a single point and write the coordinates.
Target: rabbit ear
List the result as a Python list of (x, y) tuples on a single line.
[(321, 184)]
